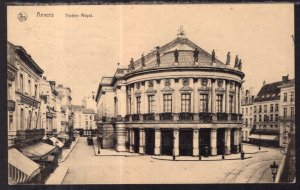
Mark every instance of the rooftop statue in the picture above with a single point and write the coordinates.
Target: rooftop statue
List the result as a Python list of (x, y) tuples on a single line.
[(196, 54), (240, 64), (228, 58), (236, 63), (131, 64), (157, 56), (213, 56), (181, 31), (143, 60), (176, 55)]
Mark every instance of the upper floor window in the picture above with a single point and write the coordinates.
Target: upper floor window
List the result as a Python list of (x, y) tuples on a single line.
[(246, 111), (29, 87), (260, 108), (151, 104), (9, 91), (243, 111), (284, 112), (167, 102), (138, 105), (285, 97), (276, 117), (292, 96), (265, 108), (259, 118), (203, 102), (271, 117), (271, 107), (292, 112), (255, 109), (276, 107), (219, 102), (22, 120), (231, 104), (254, 118), (129, 102), (35, 91), (250, 110), (185, 103), (21, 83), (91, 117)]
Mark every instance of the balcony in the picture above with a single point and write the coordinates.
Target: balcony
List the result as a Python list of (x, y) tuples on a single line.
[(240, 116), (234, 117), (135, 117), (127, 118), (149, 117), (166, 116), (222, 116), (205, 117), (186, 116), (287, 118), (28, 135)]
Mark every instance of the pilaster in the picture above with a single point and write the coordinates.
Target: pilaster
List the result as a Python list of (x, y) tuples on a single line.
[(196, 142)]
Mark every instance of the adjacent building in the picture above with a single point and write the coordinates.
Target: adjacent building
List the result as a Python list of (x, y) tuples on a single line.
[(247, 111), (176, 100), (64, 94)]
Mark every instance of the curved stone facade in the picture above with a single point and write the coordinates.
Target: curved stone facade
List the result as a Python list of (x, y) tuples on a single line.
[(174, 101)]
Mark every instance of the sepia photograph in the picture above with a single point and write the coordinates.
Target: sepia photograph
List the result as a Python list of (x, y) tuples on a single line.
[(151, 94)]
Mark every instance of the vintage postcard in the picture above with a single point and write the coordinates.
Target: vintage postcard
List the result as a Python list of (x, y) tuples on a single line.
[(150, 93)]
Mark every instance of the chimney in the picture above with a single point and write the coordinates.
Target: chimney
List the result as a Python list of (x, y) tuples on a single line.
[(285, 78)]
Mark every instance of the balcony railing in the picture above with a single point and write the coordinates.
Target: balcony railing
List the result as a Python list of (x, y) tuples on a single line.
[(240, 116), (135, 117), (234, 116), (149, 117), (166, 116), (287, 118), (127, 117), (222, 116), (186, 116), (205, 117)]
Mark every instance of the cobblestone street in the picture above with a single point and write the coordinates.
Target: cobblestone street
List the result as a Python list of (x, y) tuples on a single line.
[(86, 168)]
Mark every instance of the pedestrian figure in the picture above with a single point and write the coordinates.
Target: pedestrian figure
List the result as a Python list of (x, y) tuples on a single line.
[(176, 55), (157, 56), (228, 58), (213, 56), (236, 64), (196, 53)]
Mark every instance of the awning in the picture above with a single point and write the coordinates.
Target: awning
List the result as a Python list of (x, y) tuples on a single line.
[(57, 142), (38, 151), (20, 168), (264, 137)]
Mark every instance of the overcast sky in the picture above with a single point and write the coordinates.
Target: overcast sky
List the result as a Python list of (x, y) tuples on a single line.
[(77, 52)]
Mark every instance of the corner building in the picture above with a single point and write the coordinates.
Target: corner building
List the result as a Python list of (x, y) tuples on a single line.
[(172, 101)]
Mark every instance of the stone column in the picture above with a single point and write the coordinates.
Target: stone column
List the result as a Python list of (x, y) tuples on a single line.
[(132, 100), (236, 98), (176, 103), (213, 99), (144, 107), (127, 141), (196, 142), (236, 140), (157, 142), (175, 142), (213, 141), (142, 141), (239, 99), (227, 97), (122, 101), (131, 147), (228, 141), (196, 100), (120, 130), (158, 98)]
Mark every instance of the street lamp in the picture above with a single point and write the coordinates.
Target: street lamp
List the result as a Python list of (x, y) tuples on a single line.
[(274, 168), (98, 138), (259, 142)]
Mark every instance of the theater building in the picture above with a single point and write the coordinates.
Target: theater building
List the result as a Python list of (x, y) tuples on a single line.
[(176, 100)]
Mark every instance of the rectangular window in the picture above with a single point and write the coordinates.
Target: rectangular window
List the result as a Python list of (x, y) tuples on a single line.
[(292, 96), (246, 111), (260, 108), (21, 83), (203, 102), (151, 104), (250, 110), (250, 122), (29, 87), (259, 118), (167, 103), (231, 104), (185, 103), (276, 107), (292, 113), (22, 119), (242, 111), (35, 91), (265, 108), (246, 123), (129, 102), (285, 97), (271, 117), (9, 91), (271, 107), (254, 118), (29, 120), (255, 109), (284, 113), (276, 117), (10, 122), (219, 101), (138, 105)]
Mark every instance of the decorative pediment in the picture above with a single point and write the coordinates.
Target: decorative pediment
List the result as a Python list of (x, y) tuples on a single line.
[(167, 90), (204, 90), (150, 91), (186, 89)]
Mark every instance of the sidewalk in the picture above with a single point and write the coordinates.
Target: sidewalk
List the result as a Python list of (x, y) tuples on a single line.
[(65, 152), (110, 152), (57, 176), (196, 158)]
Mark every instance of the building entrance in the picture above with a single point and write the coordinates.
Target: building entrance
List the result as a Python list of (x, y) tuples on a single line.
[(150, 141), (136, 140), (167, 142), (221, 141), (186, 142), (204, 142)]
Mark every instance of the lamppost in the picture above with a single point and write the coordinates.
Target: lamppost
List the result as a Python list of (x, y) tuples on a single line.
[(98, 138), (259, 141), (274, 168)]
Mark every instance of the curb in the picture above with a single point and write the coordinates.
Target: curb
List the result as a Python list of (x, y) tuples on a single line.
[(76, 141), (60, 180), (200, 160), (112, 154)]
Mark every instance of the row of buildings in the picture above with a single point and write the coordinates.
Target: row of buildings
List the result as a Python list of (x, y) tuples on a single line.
[(176, 100), (39, 114), (269, 116)]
